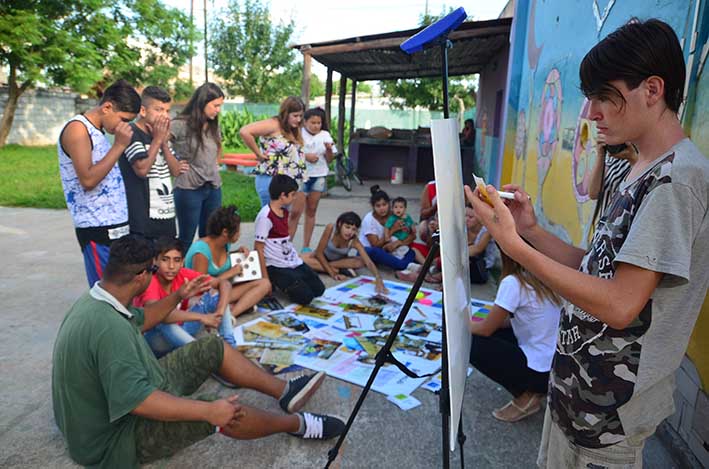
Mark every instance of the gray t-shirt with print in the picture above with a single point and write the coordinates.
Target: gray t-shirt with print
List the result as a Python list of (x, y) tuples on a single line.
[(609, 384)]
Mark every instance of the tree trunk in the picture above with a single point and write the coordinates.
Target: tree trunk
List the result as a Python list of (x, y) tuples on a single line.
[(8, 115)]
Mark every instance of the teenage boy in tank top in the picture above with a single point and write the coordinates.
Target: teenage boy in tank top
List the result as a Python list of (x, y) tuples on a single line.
[(93, 186)]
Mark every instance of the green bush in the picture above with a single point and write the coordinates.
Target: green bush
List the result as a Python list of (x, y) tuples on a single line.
[(333, 132), (232, 121)]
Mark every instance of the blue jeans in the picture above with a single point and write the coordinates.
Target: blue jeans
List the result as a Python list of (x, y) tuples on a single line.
[(193, 207), (380, 256), (165, 338), (262, 181)]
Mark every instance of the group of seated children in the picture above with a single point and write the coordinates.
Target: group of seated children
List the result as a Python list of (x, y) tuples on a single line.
[(519, 330)]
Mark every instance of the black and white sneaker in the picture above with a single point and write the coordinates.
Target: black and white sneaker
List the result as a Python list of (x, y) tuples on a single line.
[(319, 427), (298, 391)]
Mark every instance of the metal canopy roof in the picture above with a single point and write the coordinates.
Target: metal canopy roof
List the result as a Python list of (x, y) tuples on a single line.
[(378, 56)]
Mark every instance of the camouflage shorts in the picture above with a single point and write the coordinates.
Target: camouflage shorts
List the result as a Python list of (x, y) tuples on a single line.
[(556, 451), (186, 369)]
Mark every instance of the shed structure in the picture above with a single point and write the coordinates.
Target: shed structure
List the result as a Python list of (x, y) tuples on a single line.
[(476, 44)]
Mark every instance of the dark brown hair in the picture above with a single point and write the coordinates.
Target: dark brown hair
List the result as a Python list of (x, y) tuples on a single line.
[(633, 53), (193, 114)]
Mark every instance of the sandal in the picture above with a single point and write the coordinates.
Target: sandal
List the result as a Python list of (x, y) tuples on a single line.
[(533, 406)]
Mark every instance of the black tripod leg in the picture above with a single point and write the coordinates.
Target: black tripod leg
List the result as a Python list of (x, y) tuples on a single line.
[(444, 398), (461, 440), (384, 351)]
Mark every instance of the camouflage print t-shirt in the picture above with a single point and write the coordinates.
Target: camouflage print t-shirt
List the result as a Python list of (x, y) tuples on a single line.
[(609, 384)]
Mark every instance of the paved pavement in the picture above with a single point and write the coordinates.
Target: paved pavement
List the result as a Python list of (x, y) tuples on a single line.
[(43, 274)]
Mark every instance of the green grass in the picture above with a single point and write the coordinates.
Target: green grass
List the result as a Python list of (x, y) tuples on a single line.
[(30, 178), (239, 190)]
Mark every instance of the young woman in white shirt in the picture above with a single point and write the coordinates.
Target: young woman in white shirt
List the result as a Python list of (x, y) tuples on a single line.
[(319, 150), (515, 344)]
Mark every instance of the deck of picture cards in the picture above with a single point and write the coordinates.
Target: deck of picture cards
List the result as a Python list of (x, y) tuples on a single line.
[(250, 265)]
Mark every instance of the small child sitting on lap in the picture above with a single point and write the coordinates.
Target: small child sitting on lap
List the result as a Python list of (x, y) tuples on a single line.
[(332, 254), (278, 256), (401, 226), (514, 345), (211, 311)]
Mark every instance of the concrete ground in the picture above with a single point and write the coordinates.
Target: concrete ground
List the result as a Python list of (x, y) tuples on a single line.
[(43, 275)]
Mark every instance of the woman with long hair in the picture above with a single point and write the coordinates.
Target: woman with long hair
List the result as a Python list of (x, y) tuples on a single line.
[(279, 151), (514, 345), (196, 138)]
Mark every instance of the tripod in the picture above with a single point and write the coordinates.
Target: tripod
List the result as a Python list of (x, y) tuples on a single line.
[(385, 356), (434, 35)]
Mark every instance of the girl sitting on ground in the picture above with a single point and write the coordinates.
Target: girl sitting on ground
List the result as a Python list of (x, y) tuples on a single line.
[(514, 345), (210, 255), (332, 256)]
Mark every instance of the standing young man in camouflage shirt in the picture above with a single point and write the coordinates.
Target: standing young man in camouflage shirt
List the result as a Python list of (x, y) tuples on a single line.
[(633, 296)]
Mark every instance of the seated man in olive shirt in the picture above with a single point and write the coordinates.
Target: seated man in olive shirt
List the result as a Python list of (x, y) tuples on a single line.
[(118, 406)]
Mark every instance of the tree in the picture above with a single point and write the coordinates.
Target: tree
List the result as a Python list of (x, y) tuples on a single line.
[(362, 87), (85, 44), (252, 55), (428, 92)]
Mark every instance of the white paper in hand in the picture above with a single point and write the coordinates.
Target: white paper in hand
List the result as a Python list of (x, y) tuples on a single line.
[(250, 265)]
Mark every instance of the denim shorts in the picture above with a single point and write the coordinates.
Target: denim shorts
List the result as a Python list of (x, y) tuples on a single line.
[(315, 184)]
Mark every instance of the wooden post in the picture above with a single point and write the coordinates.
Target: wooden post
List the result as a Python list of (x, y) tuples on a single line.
[(328, 96), (352, 106), (206, 47), (305, 91), (191, 43), (341, 114)]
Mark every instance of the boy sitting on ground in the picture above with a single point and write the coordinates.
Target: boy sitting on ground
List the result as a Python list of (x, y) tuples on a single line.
[(278, 256), (118, 406), (211, 310)]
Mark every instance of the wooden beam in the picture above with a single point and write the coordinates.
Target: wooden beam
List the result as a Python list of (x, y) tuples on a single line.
[(305, 90), (328, 96), (395, 42), (352, 106), (341, 114)]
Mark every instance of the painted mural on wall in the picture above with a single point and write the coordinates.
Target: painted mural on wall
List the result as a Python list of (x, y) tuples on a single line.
[(549, 141), (548, 134)]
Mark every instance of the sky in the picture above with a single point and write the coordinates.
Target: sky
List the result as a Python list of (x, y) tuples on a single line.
[(318, 20)]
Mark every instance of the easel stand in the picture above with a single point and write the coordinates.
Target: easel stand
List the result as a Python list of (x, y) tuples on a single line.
[(385, 356)]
